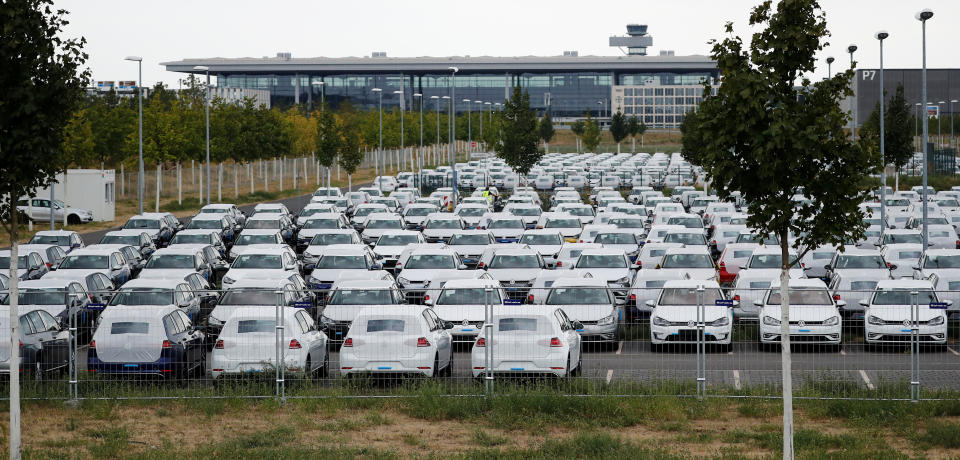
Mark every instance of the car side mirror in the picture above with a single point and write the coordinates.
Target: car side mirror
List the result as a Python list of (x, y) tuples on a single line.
[(619, 301), (461, 267), (183, 303), (204, 266), (841, 303), (577, 325), (651, 303), (448, 325), (827, 267), (374, 267), (290, 266), (758, 302), (864, 303), (916, 267), (948, 302)]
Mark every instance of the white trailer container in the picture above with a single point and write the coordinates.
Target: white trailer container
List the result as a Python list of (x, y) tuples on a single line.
[(91, 189)]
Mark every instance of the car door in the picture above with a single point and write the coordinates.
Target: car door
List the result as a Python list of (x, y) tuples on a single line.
[(570, 335), (55, 349), (442, 335), (193, 341), (311, 339)]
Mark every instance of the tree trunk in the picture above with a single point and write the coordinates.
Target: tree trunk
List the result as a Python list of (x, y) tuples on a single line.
[(201, 189), (179, 185), (250, 170), (236, 180), (281, 161), (634, 140), (349, 182), (193, 174), (123, 182), (159, 170), (220, 182), (266, 179), (14, 344), (785, 359), (618, 147), (65, 194)]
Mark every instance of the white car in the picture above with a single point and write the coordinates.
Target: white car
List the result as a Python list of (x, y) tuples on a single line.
[(610, 265), (395, 340), (589, 301), (514, 267), (676, 312), (469, 245), (416, 214), (348, 298), (623, 240), (248, 343), (439, 227), (471, 213), (888, 317), (429, 267), (251, 237), (463, 302), (945, 264), (568, 225), (264, 293), (547, 242), (905, 256), (335, 259), (539, 340), (814, 314), (505, 228), (570, 252), (391, 243), (694, 261), (377, 224), (279, 262)]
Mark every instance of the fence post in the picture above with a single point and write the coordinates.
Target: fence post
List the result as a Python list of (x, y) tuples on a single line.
[(72, 382), (488, 350), (701, 346), (279, 368), (914, 346)]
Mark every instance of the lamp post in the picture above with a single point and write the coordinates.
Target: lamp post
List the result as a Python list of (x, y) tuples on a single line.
[(923, 16), (139, 61), (481, 119), (380, 149), (402, 109), (437, 99), (853, 109), (206, 108), (420, 152), (829, 71), (469, 128), (952, 101), (939, 124), (320, 84), (449, 139), (453, 108), (881, 36), (916, 127)]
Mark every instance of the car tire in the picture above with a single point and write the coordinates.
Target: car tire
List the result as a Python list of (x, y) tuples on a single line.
[(578, 371), (436, 366)]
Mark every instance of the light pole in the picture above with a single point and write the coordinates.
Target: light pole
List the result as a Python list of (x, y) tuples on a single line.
[(939, 124), (402, 107), (453, 108), (829, 71), (916, 127), (469, 128), (449, 140), (923, 16), (420, 152), (881, 36), (206, 108), (853, 110), (437, 99), (952, 101), (320, 84), (380, 149), (139, 61)]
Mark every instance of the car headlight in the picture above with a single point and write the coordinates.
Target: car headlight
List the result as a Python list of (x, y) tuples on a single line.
[(874, 320), (936, 321), (624, 280), (607, 320), (403, 280), (214, 321), (658, 321), (720, 322), (325, 320), (228, 280), (771, 321), (832, 321)]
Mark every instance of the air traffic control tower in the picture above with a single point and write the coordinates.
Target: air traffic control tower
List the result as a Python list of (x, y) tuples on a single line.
[(636, 41)]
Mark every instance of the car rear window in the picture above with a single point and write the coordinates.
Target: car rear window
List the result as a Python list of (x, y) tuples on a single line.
[(517, 324), (385, 325), (256, 325), (129, 327)]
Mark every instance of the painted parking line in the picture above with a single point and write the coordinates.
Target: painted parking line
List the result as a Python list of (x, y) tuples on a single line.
[(620, 347), (610, 374), (736, 379), (953, 351), (866, 379)]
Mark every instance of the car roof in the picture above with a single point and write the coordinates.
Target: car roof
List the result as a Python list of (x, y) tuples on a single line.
[(125, 232), (357, 284), (391, 311), (277, 282), (688, 250), (218, 206), (904, 283), (760, 250), (139, 312), (472, 283), (45, 282), (92, 251), (259, 231), (602, 252), (801, 282), (579, 282), (264, 216), (176, 249), (197, 231), (942, 252), (207, 216), (56, 232), (168, 283), (682, 283), (261, 249)]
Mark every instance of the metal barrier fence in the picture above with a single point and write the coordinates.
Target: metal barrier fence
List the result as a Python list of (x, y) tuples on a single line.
[(581, 339)]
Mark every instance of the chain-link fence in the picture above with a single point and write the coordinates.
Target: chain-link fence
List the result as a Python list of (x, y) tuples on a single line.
[(582, 336)]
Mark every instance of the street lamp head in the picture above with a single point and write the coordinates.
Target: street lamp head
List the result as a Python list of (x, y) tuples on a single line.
[(851, 48), (434, 97), (882, 35), (830, 60), (453, 69), (417, 95), (942, 102), (924, 14), (465, 100), (133, 58), (317, 83), (201, 68), (487, 103), (376, 90), (445, 97), (478, 102), (953, 101), (398, 92)]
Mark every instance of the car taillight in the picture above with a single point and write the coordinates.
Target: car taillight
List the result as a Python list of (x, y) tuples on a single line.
[(480, 265), (426, 297), (50, 265), (348, 342), (736, 297), (219, 345), (481, 342), (423, 342), (555, 342), (723, 266), (836, 297), (559, 263), (530, 298), (714, 242), (295, 344), (639, 264), (93, 344), (165, 344)]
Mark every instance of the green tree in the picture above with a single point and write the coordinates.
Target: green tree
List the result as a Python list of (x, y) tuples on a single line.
[(693, 142), (43, 77), (772, 134), (898, 129), (577, 128), (352, 140), (328, 139), (546, 130), (636, 128), (78, 144), (619, 129), (518, 143), (590, 136)]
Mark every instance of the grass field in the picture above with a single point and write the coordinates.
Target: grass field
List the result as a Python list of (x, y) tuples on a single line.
[(522, 422)]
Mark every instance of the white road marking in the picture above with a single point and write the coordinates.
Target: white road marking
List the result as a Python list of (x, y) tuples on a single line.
[(609, 374), (620, 348), (953, 351), (736, 379), (866, 379)]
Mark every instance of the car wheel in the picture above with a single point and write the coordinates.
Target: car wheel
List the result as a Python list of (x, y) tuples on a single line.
[(436, 366), (448, 371), (73, 219), (578, 371)]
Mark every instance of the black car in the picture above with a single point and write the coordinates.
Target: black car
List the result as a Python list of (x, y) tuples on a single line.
[(45, 344)]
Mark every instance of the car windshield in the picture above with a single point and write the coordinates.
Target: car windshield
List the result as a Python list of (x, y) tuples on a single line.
[(143, 296), (248, 326), (748, 238), (578, 295), (469, 240), (601, 261), (580, 212), (689, 222), (419, 212), (383, 224), (21, 263), (622, 222), (206, 224), (143, 223), (129, 327), (262, 296), (898, 202), (541, 239), (329, 223), (342, 262), (562, 223), (397, 240), (941, 261), (385, 201), (30, 296), (515, 261), (948, 203), (865, 261), (326, 239), (802, 296), (688, 296), (195, 238), (615, 238), (268, 210), (434, 224), (896, 238), (82, 262), (689, 239), (214, 210), (363, 212), (464, 296), (384, 325), (506, 223), (244, 240), (170, 261), (362, 297), (687, 261), (431, 261), (901, 296), (525, 212), (863, 285), (765, 261), (262, 224), (471, 212), (312, 211), (59, 240), (268, 261)]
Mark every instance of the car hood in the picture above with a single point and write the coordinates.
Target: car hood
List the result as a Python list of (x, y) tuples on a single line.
[(514, 274), (309, 233), (349, 312), (415, 219), (902, 312), (74, 273), (687, 313), (768, 273), (468, 249), (375, 232), (255, 273), (547, 250), (862, 273), (388, 251), (439, 232), (695, 273), (579, 312), (332, 274), (802, 312), (435, 275), (458, 313), (606, 274), (165, 273), (506, 232)]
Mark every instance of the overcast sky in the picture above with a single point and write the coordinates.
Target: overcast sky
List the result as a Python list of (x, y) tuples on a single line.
[(176, 29)]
